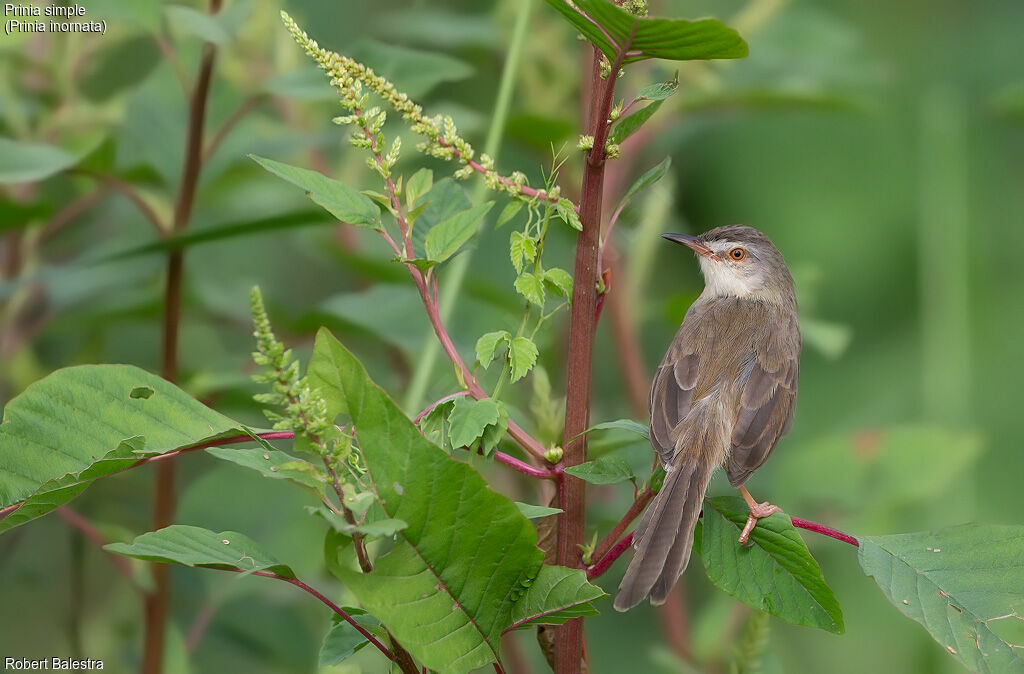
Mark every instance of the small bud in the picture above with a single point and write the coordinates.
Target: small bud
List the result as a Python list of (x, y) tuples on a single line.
[(585, 143), (554, 455)]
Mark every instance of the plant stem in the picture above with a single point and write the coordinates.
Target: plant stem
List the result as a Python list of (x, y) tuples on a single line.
[(163, 506), (93, 535), (456, 272)]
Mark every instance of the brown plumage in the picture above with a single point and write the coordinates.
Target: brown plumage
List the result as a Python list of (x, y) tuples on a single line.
[(724, 394)]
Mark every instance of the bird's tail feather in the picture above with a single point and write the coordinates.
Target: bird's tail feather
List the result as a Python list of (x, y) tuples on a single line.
[(664, 538)]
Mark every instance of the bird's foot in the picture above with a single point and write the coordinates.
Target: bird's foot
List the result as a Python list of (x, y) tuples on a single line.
[(757, 511)]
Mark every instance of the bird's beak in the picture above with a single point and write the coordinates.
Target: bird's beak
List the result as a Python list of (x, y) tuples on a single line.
[(693, 243)]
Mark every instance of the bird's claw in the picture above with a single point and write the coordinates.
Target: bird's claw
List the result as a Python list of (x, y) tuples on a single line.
[(757, 511)]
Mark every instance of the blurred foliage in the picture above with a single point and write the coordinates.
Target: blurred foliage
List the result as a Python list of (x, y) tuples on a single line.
[(877, 143)]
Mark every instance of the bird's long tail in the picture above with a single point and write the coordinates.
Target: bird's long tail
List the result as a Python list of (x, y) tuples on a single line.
[(664, 538)]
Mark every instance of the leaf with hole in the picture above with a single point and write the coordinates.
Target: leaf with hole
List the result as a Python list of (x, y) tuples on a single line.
[(965, 584), (775, 574)]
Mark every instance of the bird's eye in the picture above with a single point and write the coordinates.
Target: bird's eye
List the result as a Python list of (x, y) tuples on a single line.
[(737, 254)]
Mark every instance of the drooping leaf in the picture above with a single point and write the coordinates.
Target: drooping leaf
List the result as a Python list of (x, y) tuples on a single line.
[(22, 162), (469, 418), (775, 574), (622, 425), (195, 546), (535, 512), (606, 470), (523, 356), (567, 212), (965, 584), (650, 177), (609, 27), (340, 200), (447, 588), (488, 344), (81, 423), (445, 238), (343, 640), (275, 464), (560, 281), (659, 91), (510, 211), (530, 286), (522, 249), (555, 590)]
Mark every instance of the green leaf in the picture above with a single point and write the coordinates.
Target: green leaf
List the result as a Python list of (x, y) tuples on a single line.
[(531, 287), (523, 356), (197, 23), (606, 470), (343, 640), (469, 418), (418, 186), (495, 432), (81, 423), (445, 238), (560, 281), (964, 584), (195, 546), (445, 200), (119, 67), (659, 91), (775, 574), (22, 162), (554, 590), (650, 177), (274, 464), (337, 198), (536, 512), (622, 425), (522, 249), (415, 72), (627, 126), (510, 211), (434, 424), (671, 39), (567, 212), (447, 588), (488, 344), (392, 313)]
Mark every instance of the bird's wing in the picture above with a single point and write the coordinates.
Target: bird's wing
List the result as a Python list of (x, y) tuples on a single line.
[(766, 400), (671, 397)]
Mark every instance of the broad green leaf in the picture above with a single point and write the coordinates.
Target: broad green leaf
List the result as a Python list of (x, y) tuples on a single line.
[(414, 72), (535, 512), (554, 590), (195, 546), (560, 281), (340, 200), (510, 211), (275, 464), (622, 425), (609, 27), (81, 423), (419, 184), (650, 177), (659, 91), (775, 574), (488, 344), (523, 356), (444, 200), (567, 212), (627, 126), (522, 249), (445, 238), (119, 67), (606, 470), (469, 418), (965, 584), (200, 24), (22, 162), (447, 588), (531, 287), (343, 640)]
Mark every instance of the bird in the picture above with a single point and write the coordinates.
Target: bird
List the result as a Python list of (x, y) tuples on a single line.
[(723, 395)]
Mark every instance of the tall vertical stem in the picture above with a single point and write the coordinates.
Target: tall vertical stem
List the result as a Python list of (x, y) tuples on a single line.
[(157, 602)]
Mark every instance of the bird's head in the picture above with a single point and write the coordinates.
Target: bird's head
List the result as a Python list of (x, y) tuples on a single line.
[(740, 261)]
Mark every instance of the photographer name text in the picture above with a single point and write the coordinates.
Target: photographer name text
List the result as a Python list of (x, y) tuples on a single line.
[(49, 19), (51, 664)]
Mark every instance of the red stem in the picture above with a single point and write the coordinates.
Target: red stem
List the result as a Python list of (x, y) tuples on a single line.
[(93, 535), (825, 531)]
